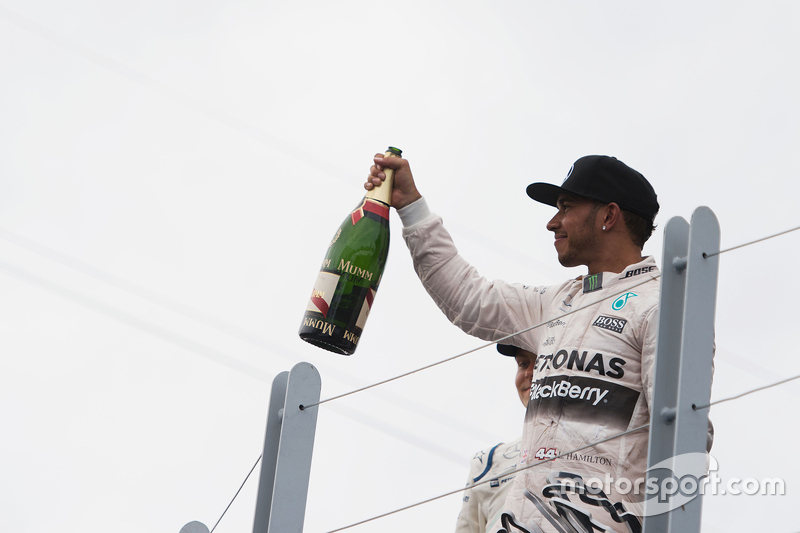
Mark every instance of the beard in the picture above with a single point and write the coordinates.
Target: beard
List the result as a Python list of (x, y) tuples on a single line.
[(581, 243)]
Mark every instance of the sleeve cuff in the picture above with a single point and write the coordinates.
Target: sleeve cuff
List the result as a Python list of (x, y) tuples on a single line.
[(414, 213)]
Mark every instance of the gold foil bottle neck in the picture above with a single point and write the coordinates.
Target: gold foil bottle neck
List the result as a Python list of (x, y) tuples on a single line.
[(383, 193)]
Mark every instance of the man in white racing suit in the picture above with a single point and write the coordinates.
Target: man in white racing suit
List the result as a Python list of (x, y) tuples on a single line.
[(595, 342), (492, 471)]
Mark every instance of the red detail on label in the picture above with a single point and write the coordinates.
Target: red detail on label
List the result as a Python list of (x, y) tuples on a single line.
[(379, 209), (373, 207), (370, 298), (321, 304)]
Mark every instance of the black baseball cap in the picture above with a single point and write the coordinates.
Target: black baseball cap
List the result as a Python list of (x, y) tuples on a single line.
[(605, 179), (507, 349)]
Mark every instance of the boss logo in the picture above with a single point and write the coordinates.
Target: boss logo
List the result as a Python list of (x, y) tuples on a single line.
[(614, 324)]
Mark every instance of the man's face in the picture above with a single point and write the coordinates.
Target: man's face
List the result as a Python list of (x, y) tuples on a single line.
[(575, 227), (526, 362)]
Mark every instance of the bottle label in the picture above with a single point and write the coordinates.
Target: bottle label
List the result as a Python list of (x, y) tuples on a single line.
[(324, 327), (322, 294), (370, 206), (367, 305), (349, 268)]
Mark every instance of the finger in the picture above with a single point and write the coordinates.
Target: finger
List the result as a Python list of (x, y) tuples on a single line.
[(375, 172), (374, 181), (376, 157), (389, 162)]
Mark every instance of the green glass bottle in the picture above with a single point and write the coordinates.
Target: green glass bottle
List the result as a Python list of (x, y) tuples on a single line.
[(350, 273)]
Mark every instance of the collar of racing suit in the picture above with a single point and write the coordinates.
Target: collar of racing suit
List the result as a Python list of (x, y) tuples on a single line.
[(606, 280)]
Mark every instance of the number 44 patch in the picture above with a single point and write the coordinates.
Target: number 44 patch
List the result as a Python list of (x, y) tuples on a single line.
[(545, 453)]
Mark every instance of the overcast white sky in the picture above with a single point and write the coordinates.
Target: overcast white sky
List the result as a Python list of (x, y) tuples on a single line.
[(171, 173)]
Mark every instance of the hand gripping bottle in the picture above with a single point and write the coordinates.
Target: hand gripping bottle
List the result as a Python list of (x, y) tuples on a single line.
[(350, 273)]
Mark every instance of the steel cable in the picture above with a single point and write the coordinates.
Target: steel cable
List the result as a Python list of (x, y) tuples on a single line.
[(706, 256), (237, 493), (697, 407)]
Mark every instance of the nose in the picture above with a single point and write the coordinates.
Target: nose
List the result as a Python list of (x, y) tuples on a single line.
[(554, 223)]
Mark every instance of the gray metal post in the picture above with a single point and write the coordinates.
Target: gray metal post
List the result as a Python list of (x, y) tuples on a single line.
[(697, 353), (665, 381), (269, 457), (678, 431), (288, 447)]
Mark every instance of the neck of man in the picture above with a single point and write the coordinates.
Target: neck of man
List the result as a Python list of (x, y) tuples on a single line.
[(615, 261)]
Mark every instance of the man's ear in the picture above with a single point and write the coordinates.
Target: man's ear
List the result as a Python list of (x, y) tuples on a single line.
[(612, 216)]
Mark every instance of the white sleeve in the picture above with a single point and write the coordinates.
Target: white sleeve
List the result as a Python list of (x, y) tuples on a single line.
[(485, 309), (469, 518), (414, 213)]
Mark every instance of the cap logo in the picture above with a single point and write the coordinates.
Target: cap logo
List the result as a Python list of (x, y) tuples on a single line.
[(568, 174)]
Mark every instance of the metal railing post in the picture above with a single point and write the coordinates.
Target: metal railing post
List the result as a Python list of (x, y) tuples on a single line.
[(667, 366), (684, 358), (288, 447)]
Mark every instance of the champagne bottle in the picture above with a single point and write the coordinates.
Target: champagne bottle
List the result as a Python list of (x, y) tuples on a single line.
[(351, 272)]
